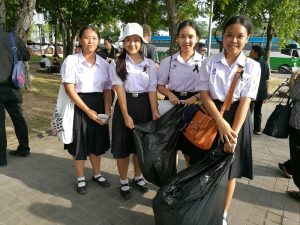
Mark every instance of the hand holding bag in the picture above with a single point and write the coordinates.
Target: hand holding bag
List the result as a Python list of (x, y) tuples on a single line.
[(18, 71), (202, 130), (278, 123)]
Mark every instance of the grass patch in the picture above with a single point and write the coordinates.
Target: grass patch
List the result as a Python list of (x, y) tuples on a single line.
[(38, 105)]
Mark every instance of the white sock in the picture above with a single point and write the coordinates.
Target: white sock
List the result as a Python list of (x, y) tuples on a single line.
[(81, 184), (99, 177), (142, 182), (225, 215), (124, 188)]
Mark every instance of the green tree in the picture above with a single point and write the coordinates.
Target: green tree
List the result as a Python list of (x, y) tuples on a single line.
[(74, 14), (282, 17)]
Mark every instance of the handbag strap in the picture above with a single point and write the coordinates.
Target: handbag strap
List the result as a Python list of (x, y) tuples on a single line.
[(227, 103), (13, 47)]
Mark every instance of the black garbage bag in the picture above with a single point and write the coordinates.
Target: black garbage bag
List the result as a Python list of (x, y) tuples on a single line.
[(155, 143), (196, 195)]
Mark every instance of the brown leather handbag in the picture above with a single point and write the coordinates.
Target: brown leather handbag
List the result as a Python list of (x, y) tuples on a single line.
[(202, 130)]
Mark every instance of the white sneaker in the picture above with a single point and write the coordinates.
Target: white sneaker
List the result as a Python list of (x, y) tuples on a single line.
[(225, 220)]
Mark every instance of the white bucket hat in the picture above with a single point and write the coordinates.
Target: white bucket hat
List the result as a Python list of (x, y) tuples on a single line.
[(132, 29)]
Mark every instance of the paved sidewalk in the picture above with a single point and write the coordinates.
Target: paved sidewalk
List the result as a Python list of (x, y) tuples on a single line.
[(39, 190)]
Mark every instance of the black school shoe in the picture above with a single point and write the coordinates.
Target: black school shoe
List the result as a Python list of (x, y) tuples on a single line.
[(81, 190), (104, 183), (125, 194), (141, 188), (19, 153)]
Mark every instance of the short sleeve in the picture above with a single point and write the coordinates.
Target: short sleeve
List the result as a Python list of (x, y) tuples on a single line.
[(107, 84), (115, 79), (251, 87), (69, 69), (202, 83), (164, 71), (152, 76)]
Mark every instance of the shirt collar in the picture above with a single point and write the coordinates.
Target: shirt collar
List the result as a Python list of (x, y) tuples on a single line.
[(143, 63), (82, 60), (241, 59), (196, 57)]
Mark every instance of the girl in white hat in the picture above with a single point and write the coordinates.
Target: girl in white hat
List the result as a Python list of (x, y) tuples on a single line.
[(134, 79)]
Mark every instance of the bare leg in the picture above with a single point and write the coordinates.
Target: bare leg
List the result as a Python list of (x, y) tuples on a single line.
[(123, 164), (79, 167), (136, 166), (230, 190), (95, 161)]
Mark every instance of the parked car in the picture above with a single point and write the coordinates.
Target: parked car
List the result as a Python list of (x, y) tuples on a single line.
[(286, 59)]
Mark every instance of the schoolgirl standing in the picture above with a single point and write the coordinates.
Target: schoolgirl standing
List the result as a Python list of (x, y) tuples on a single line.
[(86, 80), (178, 74), (217, 73), (134, 79)]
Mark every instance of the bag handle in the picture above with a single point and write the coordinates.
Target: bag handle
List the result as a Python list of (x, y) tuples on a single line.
[(13, 47), (227, 103)]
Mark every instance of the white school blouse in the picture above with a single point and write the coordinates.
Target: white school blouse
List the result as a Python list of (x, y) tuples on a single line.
[(216, 76), (178, 74), (141, 77), (88, 78)]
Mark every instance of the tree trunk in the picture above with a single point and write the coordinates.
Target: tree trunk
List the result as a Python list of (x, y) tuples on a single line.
[(55, 41), (22, 26), (146, 11), (2, 13), (269, 41), (171, 8)]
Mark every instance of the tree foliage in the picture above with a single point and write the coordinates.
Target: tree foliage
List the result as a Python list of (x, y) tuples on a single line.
[(281, 16)]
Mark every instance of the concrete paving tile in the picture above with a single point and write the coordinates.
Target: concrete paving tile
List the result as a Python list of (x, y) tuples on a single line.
[(274, 217), (258, 212), (268, 222), (293, 216), (289, 222), (256, 219), (11, 218)]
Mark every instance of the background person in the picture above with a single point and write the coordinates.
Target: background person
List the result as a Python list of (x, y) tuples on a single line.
[(180, 72), (200, 48), (10, 98), (45, 62), (257, 53), (217, 74), (149, 50), (294, 133), (86, 80), (55, 67), (134, 79), (110, 52)]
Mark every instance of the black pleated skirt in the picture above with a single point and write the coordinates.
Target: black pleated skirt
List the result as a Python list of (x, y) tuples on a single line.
[(89, 137), (242, 166), (139, 110)]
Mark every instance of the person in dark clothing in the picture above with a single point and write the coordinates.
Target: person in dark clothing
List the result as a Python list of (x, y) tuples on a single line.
[(294, 133), (10, 98), (149, 50), (110, 52), (257, 53)]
